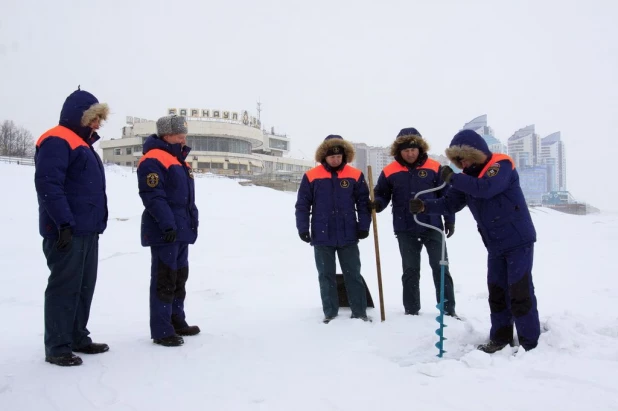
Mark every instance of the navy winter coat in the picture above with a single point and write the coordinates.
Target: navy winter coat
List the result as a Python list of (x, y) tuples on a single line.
[(69, 176), (167, 189), (333, 200), (494, 197), (401, 183)]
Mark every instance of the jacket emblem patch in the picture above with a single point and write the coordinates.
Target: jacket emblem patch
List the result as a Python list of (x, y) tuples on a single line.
[(493, 170), (344, 184), (422, 173), (152, 180)]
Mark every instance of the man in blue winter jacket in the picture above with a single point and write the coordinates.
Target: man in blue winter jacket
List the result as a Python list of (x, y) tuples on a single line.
[(169, 224), (333, 194), (70, 186), (411, 172), (489, 186)]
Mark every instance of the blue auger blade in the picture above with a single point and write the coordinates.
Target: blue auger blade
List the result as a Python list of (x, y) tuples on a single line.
[(440, 346)]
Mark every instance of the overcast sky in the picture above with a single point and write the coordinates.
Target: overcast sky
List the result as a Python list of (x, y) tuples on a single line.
[(361, 69)]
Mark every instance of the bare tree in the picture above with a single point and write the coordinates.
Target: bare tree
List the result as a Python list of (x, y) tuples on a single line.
[(15, 141)]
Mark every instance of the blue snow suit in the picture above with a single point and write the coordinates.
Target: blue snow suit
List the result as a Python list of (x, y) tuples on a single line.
[(167, 190), (497, 203), (70, 184)]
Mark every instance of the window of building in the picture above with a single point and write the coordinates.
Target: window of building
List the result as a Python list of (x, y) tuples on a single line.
[(117, 152), (129, 163), (218, 144), (129, 150), (278, 144)]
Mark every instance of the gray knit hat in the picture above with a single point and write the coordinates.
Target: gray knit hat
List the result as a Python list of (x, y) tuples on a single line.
[(172, 124)]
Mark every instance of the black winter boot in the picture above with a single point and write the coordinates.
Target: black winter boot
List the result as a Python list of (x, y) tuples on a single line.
[(326, 320), (169, 341), (64, 360), (493, 346), (93, 348), (188, 330)]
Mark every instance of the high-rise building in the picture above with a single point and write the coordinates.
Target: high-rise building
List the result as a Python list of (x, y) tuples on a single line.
[(379, 157), (479, 124), (376, 157), (553, 156), (524, 147), (361, 159)]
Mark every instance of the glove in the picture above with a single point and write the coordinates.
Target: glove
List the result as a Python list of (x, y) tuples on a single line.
[(446, 174), (417, 206), (374, 205), (362, 234), (169, 235), (65, 239), (449, 229), (305, 237)]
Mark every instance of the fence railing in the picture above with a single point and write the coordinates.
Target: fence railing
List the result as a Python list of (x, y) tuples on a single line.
[(26, 161)]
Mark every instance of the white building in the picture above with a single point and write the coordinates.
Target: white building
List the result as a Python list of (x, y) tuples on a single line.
[(524, 147), (553, 155), (479, 124), (376, 157), (222, 142)]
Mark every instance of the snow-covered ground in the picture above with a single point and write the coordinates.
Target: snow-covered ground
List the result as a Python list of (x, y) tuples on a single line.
[(253, 290)]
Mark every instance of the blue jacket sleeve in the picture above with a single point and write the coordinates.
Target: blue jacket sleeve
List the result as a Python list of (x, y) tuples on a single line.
[(484, 187), (448, 217), (452, 202), (382, 191), (304, 202), (153, 195), (52, 162), (362, 199)]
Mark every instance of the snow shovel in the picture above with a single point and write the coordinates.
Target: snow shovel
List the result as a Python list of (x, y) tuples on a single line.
[(343, 294)]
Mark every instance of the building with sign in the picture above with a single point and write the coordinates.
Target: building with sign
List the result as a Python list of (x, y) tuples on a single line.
[(221, 141)]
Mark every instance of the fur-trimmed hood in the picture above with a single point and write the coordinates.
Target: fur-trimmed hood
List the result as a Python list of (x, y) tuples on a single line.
[(330, 142), (79, 110), (467, 145), (413, 139)]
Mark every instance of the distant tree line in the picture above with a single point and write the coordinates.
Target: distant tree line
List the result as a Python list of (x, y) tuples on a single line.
[(15, 141)]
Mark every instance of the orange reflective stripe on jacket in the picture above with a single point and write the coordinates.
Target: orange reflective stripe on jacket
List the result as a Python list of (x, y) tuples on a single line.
[(64, 133), (162, 156), (349, 172), (393, 168), (396, 167), (321, 172), (494, 159), (431, 165)]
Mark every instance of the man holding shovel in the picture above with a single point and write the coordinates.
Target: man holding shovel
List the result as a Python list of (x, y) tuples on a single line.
[(411, 172)]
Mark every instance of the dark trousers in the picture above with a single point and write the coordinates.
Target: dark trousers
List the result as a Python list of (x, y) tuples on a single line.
[(169, 274), (68, 296), (511, 297), (349, 260), (410, 246)]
